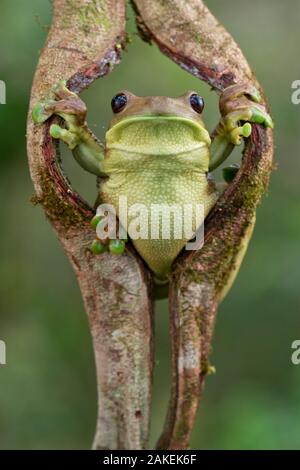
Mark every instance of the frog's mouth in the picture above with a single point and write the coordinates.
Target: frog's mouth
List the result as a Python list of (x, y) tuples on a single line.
[(157, 135)]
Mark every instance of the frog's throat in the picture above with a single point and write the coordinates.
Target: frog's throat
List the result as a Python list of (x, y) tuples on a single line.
[(202, 137)]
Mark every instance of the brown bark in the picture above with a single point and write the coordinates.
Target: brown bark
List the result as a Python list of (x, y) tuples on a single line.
[(83, 44), (190, 35)]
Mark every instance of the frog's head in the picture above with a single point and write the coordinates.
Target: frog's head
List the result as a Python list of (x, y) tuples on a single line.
[(157, 125)]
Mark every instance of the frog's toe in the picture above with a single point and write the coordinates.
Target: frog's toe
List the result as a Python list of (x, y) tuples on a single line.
[(95, 221), (253, 94), (70, 138), (260, 116), (97, 247), (60, 89), (117, 247), (235, 135), (40, 113)]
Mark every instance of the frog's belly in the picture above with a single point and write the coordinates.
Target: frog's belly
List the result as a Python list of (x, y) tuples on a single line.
[(164, 200)]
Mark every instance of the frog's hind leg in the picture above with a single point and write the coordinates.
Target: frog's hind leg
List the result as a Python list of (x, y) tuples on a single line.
[(241, 250), (229, 173)]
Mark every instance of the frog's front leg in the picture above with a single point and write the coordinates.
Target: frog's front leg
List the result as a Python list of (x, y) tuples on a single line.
[(239, 106), (85, 146)]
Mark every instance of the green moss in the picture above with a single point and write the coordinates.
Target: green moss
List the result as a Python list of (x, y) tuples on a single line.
[(207, 368), (197, 37), (216, 271), (182, 429), (94, 13), (56, 208)]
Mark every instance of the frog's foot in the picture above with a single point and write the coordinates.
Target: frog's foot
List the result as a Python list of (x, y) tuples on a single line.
[(67, 105), (240, 106), (230, 172), (101, 245)]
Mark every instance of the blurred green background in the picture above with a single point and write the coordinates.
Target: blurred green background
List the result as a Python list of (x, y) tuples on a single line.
[(47, 388)]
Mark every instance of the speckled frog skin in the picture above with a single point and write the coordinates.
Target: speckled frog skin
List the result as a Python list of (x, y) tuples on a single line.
[(157, 151)]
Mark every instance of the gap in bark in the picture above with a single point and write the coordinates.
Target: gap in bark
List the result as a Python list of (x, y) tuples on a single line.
[(143, 70)]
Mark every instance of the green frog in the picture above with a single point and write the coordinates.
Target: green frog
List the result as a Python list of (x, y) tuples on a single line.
[(158, 157)]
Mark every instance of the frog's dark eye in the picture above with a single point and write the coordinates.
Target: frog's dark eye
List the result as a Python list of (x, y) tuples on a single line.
[(197, 103), (118, 102)]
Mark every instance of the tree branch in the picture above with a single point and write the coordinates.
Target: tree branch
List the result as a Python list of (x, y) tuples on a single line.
[(190, 35), (84, 43)]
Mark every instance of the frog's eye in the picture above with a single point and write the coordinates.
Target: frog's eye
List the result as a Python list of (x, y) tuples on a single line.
[(197, 103), (118, 102)]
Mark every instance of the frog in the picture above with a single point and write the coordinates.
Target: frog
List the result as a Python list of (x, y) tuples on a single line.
[(158, 152)]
